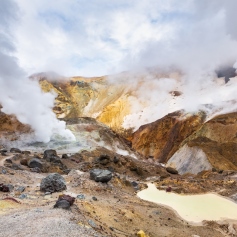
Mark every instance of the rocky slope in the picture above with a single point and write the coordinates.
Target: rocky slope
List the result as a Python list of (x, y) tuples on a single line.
[(214, 145), (162, 138), (102, 209)]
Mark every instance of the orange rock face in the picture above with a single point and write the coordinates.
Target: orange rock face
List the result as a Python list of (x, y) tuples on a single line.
[(10, 125), (162, 138)]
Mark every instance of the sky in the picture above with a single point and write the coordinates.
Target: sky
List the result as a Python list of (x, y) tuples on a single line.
[(104, 37), (99, 37)]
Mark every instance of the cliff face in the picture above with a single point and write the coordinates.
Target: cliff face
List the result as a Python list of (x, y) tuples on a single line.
[(162, 138), (215, 142), (93, 97)]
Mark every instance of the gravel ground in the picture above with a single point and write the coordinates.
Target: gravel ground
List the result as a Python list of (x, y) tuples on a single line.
[(42, 222)]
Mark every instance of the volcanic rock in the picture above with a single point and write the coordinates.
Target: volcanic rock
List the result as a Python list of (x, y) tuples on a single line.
[(171, 170), (4, 188), (100, 175), (103, 159), (64, 204), (50, 155), (53, 183), (15, 150), (35, 163), (64, 201)]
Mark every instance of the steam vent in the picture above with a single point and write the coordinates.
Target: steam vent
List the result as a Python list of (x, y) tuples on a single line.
[(118, 118)]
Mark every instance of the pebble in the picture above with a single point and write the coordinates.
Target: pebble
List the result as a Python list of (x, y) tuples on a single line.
[(4, 171), (94, 198), (81, 196), (92, 223), (23, 196), (20, 189)]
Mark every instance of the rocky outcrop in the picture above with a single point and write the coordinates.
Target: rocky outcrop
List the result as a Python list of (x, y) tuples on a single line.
[(189, 160), (214, 144), (162, 138)]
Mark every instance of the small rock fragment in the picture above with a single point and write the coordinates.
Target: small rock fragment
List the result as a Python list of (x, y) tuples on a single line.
[(81, 196), (171, 170), (64, 201), (23, 196), (94, 198), (92, 223), (20, 189), (4, 188), (64, 204)]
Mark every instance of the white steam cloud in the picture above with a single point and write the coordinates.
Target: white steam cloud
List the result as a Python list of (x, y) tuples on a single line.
[(18, 94), (202, 38)]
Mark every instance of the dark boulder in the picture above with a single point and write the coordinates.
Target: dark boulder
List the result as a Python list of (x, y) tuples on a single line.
[(35, 163), (50, 155), (100, 175), (15, 150), (53, 183), (171, 170)]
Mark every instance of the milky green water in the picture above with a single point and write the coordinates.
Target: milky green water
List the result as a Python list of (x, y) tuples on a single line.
[(192, 208)]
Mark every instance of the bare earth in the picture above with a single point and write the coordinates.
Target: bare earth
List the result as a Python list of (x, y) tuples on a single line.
[(117, 211)]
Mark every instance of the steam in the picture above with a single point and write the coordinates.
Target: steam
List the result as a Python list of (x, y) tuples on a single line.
[(197, 44), (18, 94)]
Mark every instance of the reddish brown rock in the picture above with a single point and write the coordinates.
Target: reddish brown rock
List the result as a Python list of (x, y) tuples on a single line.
[(162, 138)]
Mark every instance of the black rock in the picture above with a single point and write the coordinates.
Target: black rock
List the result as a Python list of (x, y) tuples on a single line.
[(65, 156), (4, 188), (94, 199), (103, 159), (50, 154), (171, 170), (3, 150), (35, 163), (134, 184), (64, 204), (8, 161), (53, 183), (116, 160), (15, 150), (100, 175)]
